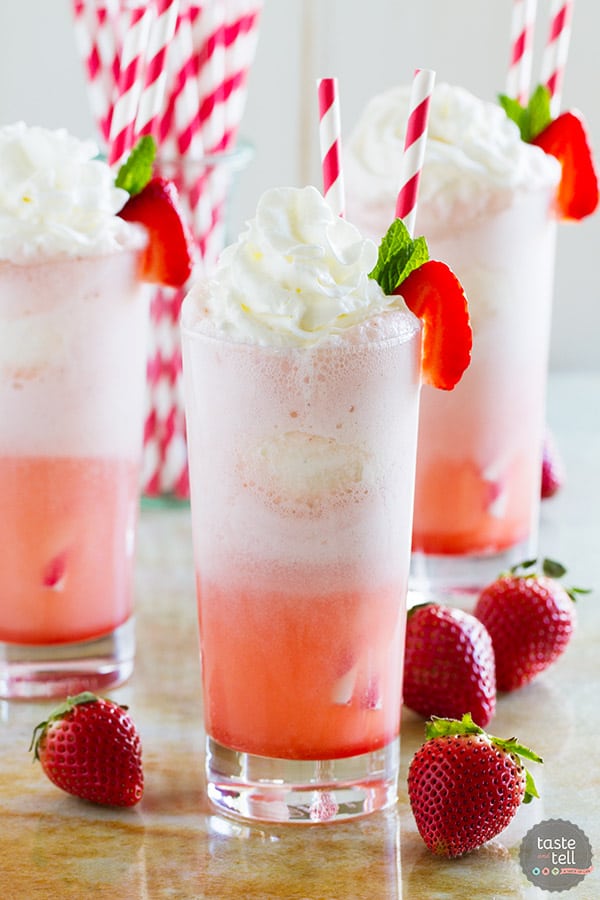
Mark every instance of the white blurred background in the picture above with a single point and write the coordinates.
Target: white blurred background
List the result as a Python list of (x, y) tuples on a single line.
[(369, 46)]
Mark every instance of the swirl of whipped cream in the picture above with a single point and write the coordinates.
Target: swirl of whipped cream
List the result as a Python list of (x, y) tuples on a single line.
[(297, 273), (56, 198), (475, 160)]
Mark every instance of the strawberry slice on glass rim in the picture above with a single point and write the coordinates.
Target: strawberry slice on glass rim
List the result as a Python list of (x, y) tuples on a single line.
[(435, 295), (154, 203), (565, 138)]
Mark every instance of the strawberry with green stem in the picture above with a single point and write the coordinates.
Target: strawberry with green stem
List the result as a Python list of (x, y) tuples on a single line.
[(530, 617), (465, 786), (433, 293), (565, 138), (154, 203), (89, 747)]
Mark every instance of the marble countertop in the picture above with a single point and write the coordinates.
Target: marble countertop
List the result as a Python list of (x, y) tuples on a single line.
[(172, 846)]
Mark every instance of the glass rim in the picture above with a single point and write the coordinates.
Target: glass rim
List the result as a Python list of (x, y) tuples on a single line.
[(235, 159)]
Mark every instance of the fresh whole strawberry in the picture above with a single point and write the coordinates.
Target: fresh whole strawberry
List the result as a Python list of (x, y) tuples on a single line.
[(449, 664), (530, 617), (154, 203), (90, 747), (433, 293), (465, 786), (553, 469)]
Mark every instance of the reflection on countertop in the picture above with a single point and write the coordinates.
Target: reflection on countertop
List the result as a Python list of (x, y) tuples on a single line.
[(173, 846)]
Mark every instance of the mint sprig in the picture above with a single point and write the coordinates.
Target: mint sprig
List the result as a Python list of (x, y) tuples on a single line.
[(136, 171), (533, 118), (399, 255)]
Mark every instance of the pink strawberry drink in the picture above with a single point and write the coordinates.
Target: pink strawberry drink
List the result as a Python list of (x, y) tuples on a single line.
[(302, 383), (72, 357), (485, 209)]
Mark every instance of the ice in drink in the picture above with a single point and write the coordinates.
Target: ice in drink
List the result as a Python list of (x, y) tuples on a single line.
[(73, 316), (302, 386), (485, 208)]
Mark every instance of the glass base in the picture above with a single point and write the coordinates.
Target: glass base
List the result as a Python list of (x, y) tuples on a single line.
[(263, 789), (30, 672), (458, 580)]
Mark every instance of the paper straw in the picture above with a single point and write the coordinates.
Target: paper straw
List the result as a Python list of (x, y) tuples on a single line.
[(96, 40), (556, 50), (414, 146), (330, 140), (122, 129), (209, 36), (241, 38), (518, 81), (152, 94)]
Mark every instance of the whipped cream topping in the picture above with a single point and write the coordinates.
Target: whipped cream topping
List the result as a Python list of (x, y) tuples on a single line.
[(56, 198), (475, 160), (298, 273)]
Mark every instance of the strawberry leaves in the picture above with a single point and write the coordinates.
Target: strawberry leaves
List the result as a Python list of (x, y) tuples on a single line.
[(532, 568), (437, 727)]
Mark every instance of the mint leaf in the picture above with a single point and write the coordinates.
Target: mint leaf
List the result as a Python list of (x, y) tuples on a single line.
[(538, 110), (399, 255), (136, 171), (531, 119), (515, 112)]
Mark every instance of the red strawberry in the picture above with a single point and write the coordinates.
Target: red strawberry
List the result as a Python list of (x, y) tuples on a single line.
[(90, 747), (168, 256), (530, 618), (553, 470), (449, 664), (465, 786), (434, 294), (566, 139)]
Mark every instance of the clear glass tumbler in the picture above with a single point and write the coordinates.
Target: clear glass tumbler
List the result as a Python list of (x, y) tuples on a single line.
[(302, 477), (477, 494), (72, 362)]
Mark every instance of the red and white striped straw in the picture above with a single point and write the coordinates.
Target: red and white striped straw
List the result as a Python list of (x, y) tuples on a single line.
[(518, 80), (556, 50), (135, 43), (414, 146), (330, 139), (152, 94)]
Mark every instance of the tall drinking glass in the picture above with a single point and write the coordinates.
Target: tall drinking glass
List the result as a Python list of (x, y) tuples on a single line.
[(302, 476), (72, 356), (485, 208), (73, 317)]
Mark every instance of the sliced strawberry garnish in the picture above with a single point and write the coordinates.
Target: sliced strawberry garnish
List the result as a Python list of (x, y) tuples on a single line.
[(168, 256), (434, 294), (566, 139)]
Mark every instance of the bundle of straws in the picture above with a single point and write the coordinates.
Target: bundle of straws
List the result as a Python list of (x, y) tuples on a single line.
[(178, 70)]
